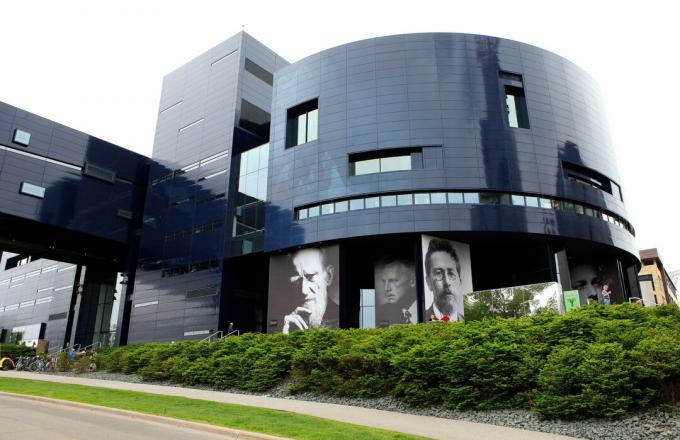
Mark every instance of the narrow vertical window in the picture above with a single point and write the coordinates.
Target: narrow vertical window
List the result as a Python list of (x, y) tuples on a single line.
[(302, 123), (515, 102)]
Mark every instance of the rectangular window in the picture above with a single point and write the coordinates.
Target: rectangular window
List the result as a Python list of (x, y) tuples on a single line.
[(99, 173), (385, 161), (327, 208), (388, 201), (472, 198), (254, 119), (489, 198), (532, 201), (517, 200), (372, 202), (341, 206), (259, 72), (32, 190), (456, 198), (515, 102), (355, 204), (405, 199), (438, 198), (21, 137), (422, 198), (313, 211), (545, 203), (395, 163), (302, 123), (370, 166)]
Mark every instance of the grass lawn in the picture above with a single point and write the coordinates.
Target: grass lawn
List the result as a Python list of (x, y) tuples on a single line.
[(247, 418)]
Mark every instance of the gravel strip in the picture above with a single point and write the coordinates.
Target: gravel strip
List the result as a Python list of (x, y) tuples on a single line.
[(656, 423)]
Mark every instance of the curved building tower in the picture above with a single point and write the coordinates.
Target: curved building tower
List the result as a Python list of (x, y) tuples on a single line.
[(390, 152)]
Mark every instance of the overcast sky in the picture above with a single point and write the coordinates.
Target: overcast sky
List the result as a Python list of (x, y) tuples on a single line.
[(97, 66)]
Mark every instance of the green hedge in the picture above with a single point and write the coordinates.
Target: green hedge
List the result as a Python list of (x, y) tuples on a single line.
[(594, 362), (14, 350)]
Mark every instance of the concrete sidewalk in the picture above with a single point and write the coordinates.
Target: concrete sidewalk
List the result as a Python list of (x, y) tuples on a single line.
[(432, 427)]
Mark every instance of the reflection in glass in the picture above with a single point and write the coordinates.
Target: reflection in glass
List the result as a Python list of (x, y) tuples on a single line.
[(312, 125), (341, 206), (517, 200), (302, 129), (313, 211)]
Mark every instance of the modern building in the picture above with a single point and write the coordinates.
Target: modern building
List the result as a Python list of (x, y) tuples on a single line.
[(370, 184), (656, 285)]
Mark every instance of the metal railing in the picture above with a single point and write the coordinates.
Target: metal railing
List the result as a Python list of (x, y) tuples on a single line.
[(234, 332), (76, 347), (91, 346), (217, 335)]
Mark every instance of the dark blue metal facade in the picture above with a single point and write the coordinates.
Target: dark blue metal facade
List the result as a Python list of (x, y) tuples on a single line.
[(183, 227), (441, 92)]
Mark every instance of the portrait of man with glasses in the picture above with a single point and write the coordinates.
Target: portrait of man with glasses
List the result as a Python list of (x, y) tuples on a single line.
[(445, 280)]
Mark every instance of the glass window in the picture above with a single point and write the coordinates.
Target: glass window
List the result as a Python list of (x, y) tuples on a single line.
[(516, 107), (568, 206), (578, 208), (355, 204), (589, 212), (395, 163), (616, 191), (489, 199), (422, 198), (455, 197), (504, 199), (545, 203), (386, 201), (312, 125), (327, 208), (302, 123), (302, 129), (32, 190), (532, 201), (302, 214), (471, 198), (517, 200), (372, 202), (557, 204), (313, 211), (367, 308), (369, 166), (404, 199), (21, 137), (341, 206), (438, 197)]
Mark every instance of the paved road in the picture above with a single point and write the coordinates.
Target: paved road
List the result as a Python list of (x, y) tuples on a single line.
[(22, 418), (433, 427)]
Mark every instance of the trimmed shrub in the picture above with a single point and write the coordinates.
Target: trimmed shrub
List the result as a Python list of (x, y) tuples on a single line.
[(593, 362)]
